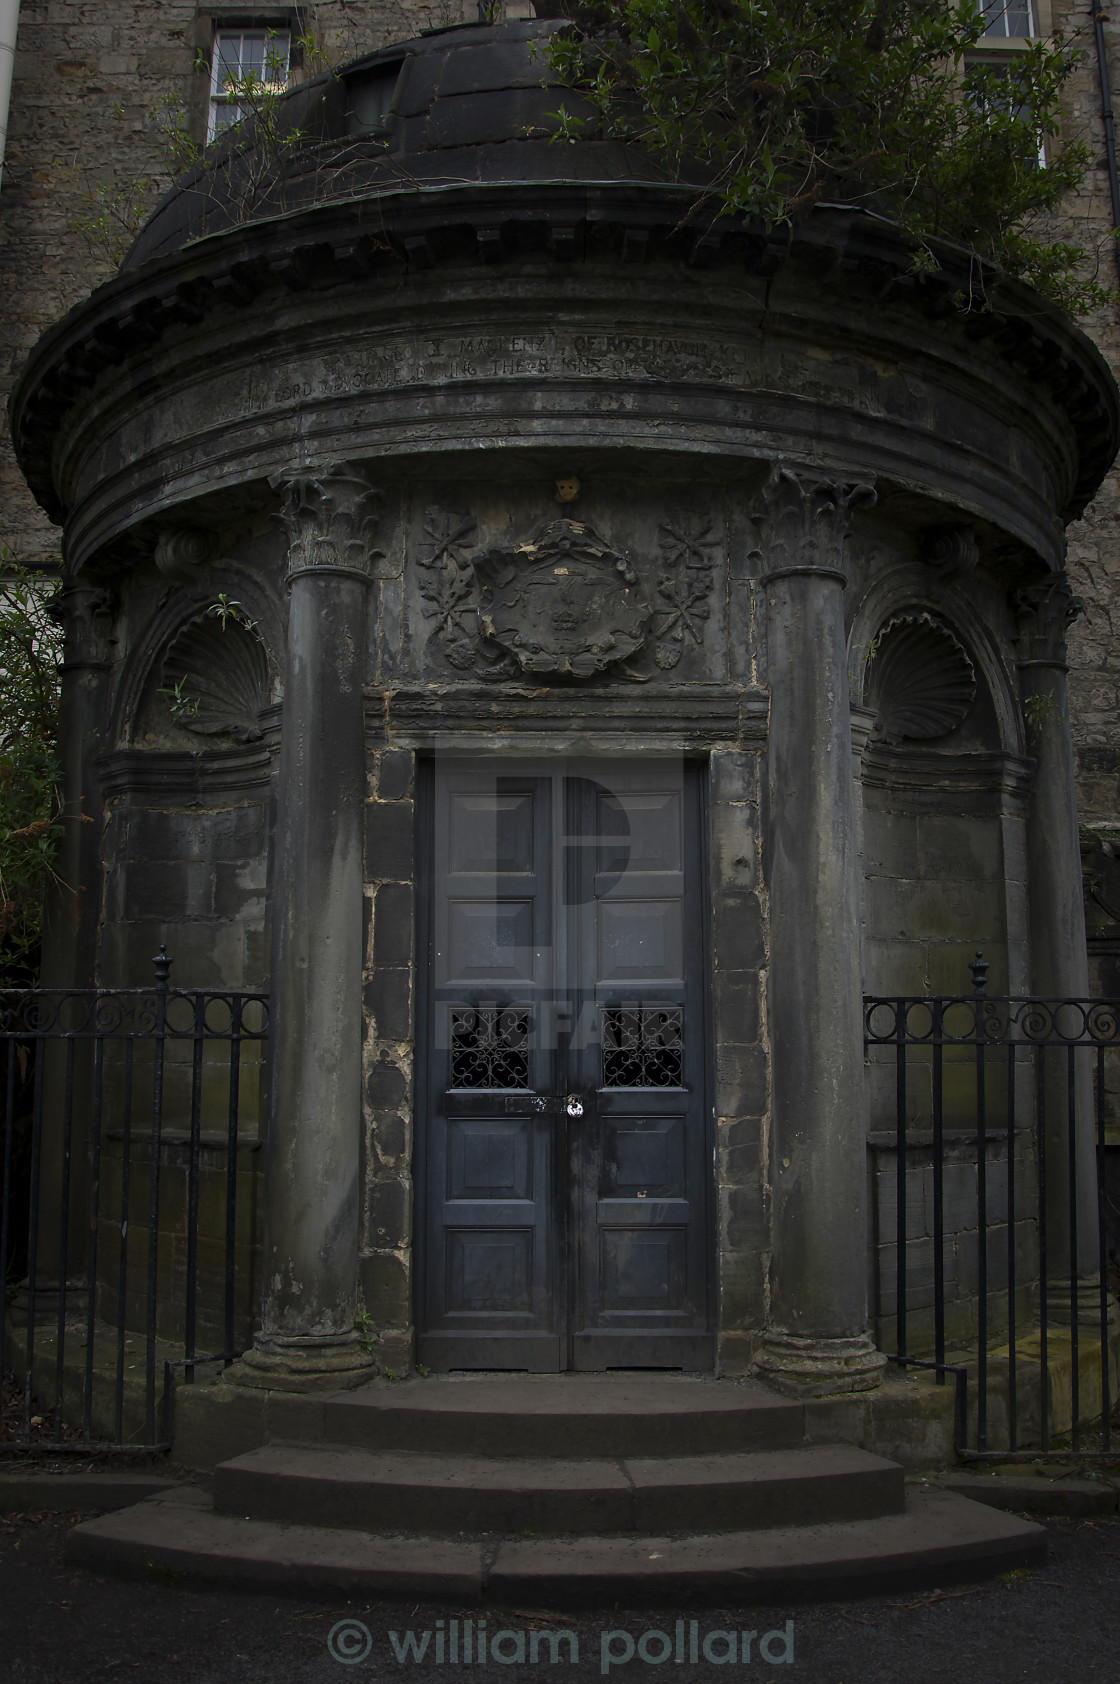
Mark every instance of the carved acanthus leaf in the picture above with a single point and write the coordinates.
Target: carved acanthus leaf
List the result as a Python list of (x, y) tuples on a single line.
[(803, 519), (1045, 613), (331, 519)]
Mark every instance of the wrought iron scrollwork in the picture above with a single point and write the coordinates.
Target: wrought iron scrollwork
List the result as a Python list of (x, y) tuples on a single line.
[(643, 1046), (990, 1020), (132, 1013), (490, 1047)]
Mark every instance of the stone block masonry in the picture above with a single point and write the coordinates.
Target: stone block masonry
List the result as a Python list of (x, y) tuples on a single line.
[(86, 158)]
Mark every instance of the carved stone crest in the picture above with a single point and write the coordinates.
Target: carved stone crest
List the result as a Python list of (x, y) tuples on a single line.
[(562, 604)]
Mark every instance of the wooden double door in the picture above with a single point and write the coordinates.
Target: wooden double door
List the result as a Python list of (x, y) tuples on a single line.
[(564, 1161)]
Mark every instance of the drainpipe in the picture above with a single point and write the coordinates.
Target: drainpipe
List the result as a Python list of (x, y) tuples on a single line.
[(9, 23), (1106, 114)]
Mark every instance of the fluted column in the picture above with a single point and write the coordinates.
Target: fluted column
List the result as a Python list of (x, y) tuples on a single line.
[(816, 1341), (1059, 962), (70, 928), (311, 1195)]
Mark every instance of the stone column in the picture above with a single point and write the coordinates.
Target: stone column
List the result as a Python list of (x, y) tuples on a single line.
[(310, 1259), (816, 1341), (1059, 962), (70, 926)]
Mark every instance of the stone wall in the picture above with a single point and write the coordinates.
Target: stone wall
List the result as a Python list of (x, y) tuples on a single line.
[(1094, 552), (92, 80)]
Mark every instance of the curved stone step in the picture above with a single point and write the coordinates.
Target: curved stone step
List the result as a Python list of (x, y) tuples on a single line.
[(938, 1539), (568, 1416), (413, 1491)]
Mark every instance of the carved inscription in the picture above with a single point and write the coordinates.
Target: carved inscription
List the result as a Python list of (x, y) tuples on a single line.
[(548, 354)]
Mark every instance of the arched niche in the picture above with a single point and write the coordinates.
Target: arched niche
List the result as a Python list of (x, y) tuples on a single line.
[(943, 781)]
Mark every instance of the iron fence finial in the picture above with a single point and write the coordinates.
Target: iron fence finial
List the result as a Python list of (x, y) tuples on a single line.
[(979, 968)]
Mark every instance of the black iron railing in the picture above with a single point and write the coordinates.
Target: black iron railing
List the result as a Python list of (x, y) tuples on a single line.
[(996, 1109), (127, 1219)]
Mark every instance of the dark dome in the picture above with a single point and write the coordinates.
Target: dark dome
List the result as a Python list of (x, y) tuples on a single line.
[(470, 106)]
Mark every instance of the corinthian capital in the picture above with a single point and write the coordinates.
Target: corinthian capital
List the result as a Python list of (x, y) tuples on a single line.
[(1045, 613), (85, 612), (331, 517), (803, 520)]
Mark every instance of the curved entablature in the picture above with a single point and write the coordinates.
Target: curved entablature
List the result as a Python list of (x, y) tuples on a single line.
[(428, 274), (165, 388)]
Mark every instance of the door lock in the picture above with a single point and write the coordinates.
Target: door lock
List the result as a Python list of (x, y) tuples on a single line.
[(573, 1106)]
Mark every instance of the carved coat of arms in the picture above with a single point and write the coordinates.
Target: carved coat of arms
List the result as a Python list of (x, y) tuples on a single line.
[(562, 604)]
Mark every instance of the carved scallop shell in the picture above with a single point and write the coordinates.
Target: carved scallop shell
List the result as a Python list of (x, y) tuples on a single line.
[(921, 680), (220, 674)]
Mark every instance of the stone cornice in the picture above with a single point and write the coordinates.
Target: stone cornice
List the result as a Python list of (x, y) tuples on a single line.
[(689, 717), (384, 239)]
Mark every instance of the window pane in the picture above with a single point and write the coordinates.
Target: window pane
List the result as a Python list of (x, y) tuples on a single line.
[(1008, 17), (260, 53)]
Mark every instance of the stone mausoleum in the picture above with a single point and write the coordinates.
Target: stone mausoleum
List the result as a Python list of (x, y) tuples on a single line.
[(569, 650)]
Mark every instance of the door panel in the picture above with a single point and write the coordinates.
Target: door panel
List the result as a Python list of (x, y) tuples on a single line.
[(490, 1281), (564, 953)]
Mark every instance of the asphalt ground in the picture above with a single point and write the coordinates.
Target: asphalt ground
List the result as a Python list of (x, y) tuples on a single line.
[(60, 1625)]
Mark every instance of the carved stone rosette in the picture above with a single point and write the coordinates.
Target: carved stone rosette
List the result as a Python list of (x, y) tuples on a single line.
[(331, 518), (1044, 614), (803, 520), (687, 544)]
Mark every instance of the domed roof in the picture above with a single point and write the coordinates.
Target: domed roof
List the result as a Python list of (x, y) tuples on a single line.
[(473, 105)]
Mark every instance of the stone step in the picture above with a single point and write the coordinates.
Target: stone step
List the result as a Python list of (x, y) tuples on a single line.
[(567, 1416), (938, 1539), (418, 1492)]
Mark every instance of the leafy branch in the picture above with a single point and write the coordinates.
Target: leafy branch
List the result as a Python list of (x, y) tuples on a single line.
[(770, 110), (30, 799)]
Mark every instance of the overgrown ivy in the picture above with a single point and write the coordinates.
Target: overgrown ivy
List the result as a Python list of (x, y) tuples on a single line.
[(775, 108), (30, 803)]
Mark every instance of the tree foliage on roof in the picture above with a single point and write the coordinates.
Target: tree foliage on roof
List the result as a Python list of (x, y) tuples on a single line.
[(874, 103)]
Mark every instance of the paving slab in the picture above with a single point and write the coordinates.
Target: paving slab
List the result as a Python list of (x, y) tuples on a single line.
[(940, 1539), (41, 1493), (410, 1490), (182, 1534), (568, 1415), (801, 1487), (1027, 1493)]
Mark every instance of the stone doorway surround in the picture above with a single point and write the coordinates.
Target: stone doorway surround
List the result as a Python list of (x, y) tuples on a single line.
[(563, 1159)]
